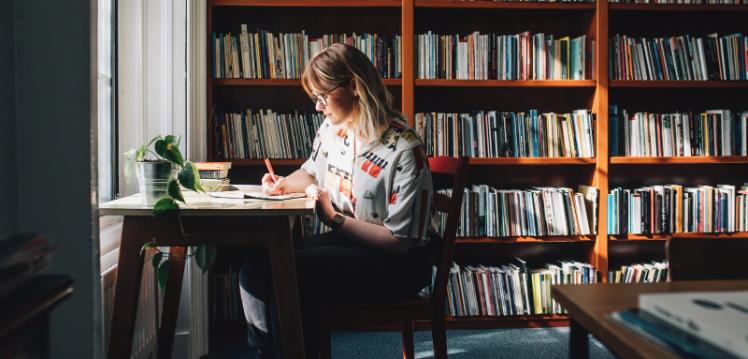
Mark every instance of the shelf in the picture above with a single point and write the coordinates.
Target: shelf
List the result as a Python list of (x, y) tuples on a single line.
[(677, 8), (475, 161), (511, 240), (308, 3), (495, 322), (678, 84), (502, 5), (621, 160), (665, 236), (277, 82), (505, 83)]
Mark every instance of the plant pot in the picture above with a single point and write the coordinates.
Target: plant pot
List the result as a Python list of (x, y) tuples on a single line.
[(153, 180)]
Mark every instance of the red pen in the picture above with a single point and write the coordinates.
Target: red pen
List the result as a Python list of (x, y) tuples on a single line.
[(270, 169)]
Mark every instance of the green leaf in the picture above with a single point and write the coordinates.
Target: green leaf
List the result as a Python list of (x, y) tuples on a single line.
[(205, 255), (189, 177), (169, 150), (174, 191), (165, 206), (156, 260), (151, 244), (163, 273)]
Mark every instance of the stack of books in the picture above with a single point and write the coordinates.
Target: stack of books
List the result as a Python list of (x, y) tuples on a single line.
[(265, 55), (21, 257), (256, 134), (652, 272), (718, 132), (677, 209), (522, 56), (511, 289), (540, 211), (692, 324), (685, 57), (508, 134), (213, 175)]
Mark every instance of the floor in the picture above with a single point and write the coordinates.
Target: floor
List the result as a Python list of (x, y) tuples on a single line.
[(545, 343)]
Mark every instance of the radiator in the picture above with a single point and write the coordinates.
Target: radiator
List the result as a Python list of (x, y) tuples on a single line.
[(146, 332)]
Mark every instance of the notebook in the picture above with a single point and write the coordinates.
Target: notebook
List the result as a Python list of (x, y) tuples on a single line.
[(255, 195)]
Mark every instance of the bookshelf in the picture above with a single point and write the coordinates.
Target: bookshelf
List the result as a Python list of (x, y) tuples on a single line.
[(598, 20)]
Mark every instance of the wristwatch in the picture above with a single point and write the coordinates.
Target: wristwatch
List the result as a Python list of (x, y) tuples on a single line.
[(337, 221)]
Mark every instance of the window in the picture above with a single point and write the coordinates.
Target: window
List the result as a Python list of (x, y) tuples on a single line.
[(107, 145)]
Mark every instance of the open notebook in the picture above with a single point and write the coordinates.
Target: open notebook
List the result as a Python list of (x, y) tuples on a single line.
[(252, 191)]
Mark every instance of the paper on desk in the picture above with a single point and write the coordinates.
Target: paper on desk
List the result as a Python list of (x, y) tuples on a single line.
[(255, 194)]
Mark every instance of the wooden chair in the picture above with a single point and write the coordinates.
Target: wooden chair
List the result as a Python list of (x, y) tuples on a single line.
[(706, 259), (447, 172)]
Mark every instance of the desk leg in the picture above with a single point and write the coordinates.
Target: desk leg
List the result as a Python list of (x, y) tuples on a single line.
[(172, 293), (579, 347), (126, 288), (283, 268)]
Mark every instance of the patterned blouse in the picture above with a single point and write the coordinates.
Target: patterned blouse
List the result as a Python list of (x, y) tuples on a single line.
[(385, 182)]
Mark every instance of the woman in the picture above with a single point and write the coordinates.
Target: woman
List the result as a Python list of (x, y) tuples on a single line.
[(369, 174)]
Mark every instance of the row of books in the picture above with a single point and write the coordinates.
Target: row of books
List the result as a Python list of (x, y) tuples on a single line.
[(685, 57), (677, 209), (522, 56), (540, 211), (652, 272), (265, 134), (508, 134), (227, 303), (711, 133), (265, 55), (511, 289)]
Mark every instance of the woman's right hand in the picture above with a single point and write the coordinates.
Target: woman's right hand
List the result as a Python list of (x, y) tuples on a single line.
[(273, 185)]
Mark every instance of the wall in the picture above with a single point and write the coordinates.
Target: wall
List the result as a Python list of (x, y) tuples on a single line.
[(55, 99), (7, 122)]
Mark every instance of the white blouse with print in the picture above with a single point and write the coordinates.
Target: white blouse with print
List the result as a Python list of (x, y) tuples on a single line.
[(386, 182)]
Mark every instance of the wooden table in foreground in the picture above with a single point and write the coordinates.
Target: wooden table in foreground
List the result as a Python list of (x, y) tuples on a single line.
[(220, 222), (590, 305)]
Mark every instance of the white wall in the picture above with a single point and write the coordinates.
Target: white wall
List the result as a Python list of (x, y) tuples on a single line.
[(7, 122), (55, 112)]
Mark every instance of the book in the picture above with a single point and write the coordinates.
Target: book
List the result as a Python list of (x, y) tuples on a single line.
[(719, 318), (239, 194), (667, 336)]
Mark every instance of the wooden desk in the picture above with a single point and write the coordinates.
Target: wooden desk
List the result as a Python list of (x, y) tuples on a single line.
[(590, 305), (220, 222)]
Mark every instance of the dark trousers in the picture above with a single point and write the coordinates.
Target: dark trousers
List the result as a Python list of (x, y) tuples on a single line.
[(330, 269)]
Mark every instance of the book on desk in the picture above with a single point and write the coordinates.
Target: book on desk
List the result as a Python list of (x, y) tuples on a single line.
[(693, 324)]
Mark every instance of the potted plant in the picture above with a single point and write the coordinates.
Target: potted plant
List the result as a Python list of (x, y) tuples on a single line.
[(160, 171)]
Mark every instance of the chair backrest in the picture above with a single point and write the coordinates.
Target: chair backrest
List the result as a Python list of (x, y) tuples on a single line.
[(707, 259), (447, 173)]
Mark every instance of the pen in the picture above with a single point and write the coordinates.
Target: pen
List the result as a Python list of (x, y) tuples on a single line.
[(270, 169)]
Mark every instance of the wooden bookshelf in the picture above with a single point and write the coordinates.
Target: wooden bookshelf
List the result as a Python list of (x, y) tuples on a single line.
[(598, 20), (491, 322)]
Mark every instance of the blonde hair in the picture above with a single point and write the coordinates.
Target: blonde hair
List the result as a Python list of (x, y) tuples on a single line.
[(339, 64)]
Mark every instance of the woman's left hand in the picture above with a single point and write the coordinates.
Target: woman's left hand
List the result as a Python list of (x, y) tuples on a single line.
[(324, 206)]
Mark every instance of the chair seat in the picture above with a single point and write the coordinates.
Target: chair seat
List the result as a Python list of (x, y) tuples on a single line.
[(349, 316)]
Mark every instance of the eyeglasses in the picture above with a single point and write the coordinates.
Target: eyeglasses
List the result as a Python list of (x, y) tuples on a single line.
[(322, 99)]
